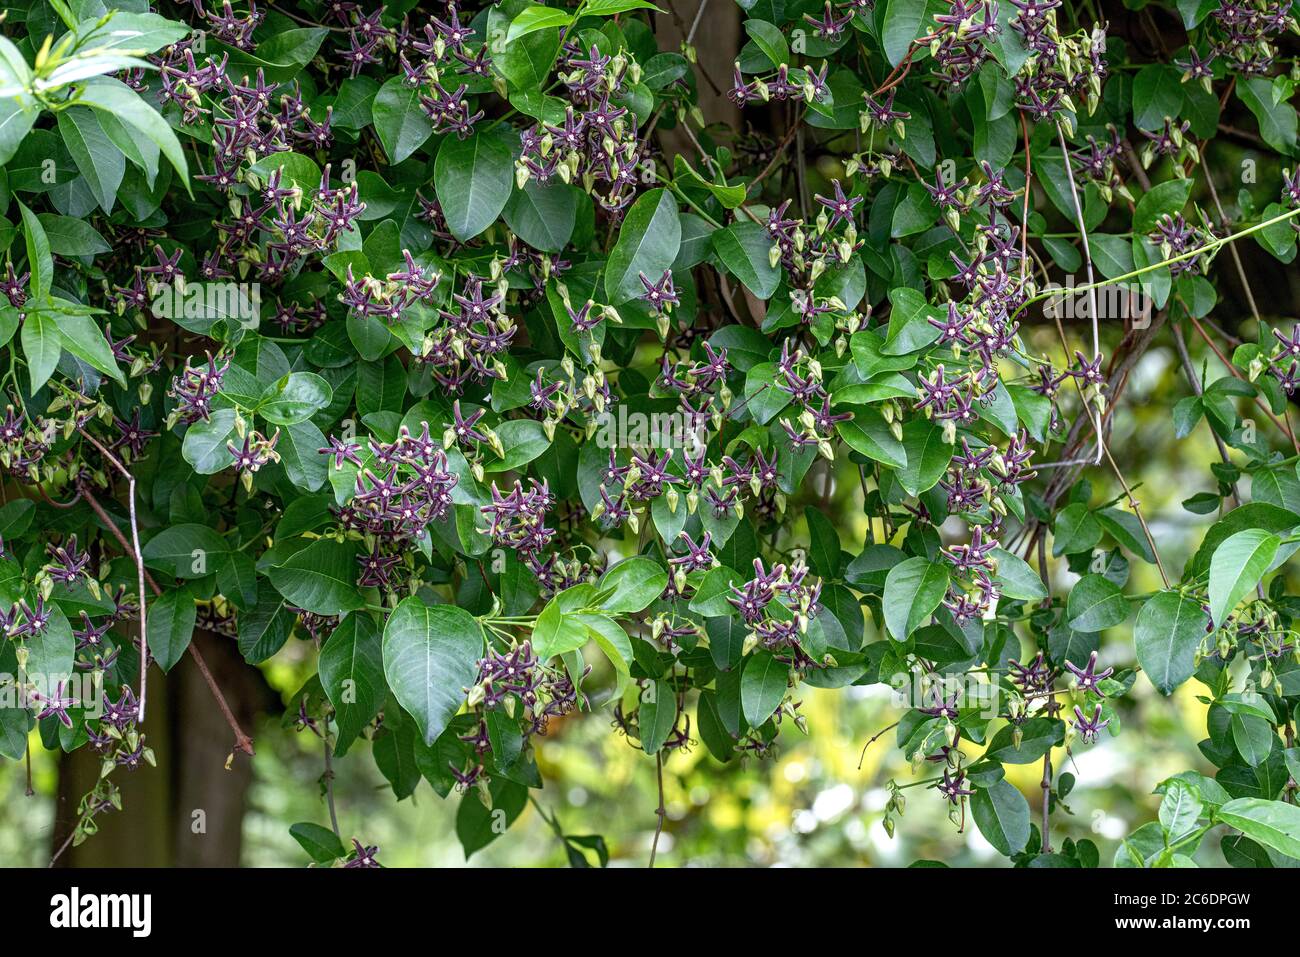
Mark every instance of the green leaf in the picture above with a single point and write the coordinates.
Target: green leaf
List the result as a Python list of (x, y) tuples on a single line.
[(1095, 604), (170, 626), (303, 463), (1277, 120), (321, 844), (352, 674), (869, 434), (824, 552), (15, 723), (556, 633), (913, 590), (1274, 824), (281, 54), (51, 652), (744, 250), (523, 440), (1237, 566), (608, 8), (648, 242), (18, 108), (478, 825), (1164, 199), (902, 22), (264, 628), (1157, 95), (612, 641), (770, 40), (473, 178), (1168, 630), (544, 215), (1251, 515), (928, 456), (69, 236), (42, 347), (763, 684), (100, 161), (633, 584), (536, 18), (186, 551), (656, 715), (1180, 809), (910, 328), (711, 595), (1252, 736), (84, 338), (1076, 530), (133, 33), (1017, 579), (1037, 737), (1002, 815), (39, 260), (295, 398), (526, 63), (431, 655), (116, 98), (1126, 529), (1194, 11), (320, 578), (399, 121)]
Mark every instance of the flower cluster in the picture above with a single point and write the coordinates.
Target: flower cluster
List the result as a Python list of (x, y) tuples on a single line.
[(517, 519), (778, 605), (472, 333), (395, 505), (800, 378), (960, 44), (1059, 68), (1284, 361), (1095, 162), (331, 213), (195, 388), (1248, 34), (596, 144), (806, 254), (23, 444), (515, 682), (389, 298), (1175, 236), (788, 83), (114, 736)]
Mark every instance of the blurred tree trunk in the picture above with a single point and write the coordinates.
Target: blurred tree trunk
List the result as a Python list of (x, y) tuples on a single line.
[(189, 810), (717, 44)]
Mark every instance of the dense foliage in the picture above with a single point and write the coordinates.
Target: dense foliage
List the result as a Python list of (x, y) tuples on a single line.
[(456, 343)]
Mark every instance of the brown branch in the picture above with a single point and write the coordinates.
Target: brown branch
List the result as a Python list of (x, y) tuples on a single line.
[(1134, 504), (1232, 247), (242, 741), (1190, 371), (874, 738), (134, 549)]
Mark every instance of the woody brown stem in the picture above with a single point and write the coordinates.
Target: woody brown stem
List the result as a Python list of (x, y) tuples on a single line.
[(134, 549), (242, 741)]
